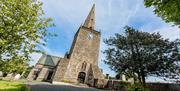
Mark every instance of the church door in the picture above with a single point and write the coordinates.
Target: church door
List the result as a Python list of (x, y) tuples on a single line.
[(49, 76), (81, 77), (35, 74)]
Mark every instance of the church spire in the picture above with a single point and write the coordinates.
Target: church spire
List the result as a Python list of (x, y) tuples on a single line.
[(90, 20)]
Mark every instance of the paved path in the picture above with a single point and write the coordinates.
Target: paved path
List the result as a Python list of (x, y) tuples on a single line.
[(53, 87)]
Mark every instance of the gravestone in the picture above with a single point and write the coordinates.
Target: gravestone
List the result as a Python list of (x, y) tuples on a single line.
[(1, 74), (17, 77)]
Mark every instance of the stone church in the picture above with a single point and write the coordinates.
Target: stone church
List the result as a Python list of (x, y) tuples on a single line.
[(80, 64)]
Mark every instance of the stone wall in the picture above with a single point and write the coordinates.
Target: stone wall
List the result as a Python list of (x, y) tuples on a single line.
[(163, 87), (83, 50), (100, 83), (119, 85), (60, 70), (43, 74)]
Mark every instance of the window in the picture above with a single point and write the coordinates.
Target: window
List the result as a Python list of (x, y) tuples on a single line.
[(90, 36), (84, 64)]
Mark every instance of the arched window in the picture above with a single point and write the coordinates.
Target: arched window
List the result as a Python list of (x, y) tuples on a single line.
[(84, 64)]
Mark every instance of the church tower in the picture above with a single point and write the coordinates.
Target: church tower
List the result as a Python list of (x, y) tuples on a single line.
[(86, 41), (81, 64)]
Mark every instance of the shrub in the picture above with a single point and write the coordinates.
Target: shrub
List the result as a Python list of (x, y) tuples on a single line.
[(123, 83), (137, 87), (121, 86)]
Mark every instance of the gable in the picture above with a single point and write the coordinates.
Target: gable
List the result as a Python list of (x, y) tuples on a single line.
[(48, 60)]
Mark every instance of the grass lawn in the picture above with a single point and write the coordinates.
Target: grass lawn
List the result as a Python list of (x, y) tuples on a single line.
[(12, 86)]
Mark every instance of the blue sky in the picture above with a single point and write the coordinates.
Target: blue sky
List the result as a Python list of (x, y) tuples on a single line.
[(111, 17)]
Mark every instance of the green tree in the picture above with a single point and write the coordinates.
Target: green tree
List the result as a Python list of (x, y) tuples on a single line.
[(23, 26), (17, 64), (27, 71), (141, 54), (168, 10)]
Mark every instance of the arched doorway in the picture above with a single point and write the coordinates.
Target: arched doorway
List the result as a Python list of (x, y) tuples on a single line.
[(36, 74), (81, 77), (49, 76)]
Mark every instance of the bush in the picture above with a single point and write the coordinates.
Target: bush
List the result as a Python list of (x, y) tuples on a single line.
[(137, 87), (28, 70), (121, 86), (123, 83)]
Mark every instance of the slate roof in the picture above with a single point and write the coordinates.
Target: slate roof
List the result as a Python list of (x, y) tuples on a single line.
[(49, 60)]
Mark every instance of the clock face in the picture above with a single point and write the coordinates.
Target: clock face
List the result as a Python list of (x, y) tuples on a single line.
[(90, 36)]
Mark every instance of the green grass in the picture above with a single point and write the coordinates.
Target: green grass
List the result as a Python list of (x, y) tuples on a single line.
[(12, 86)]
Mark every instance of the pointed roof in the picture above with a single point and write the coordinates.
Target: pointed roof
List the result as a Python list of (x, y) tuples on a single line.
[(48, 60), (90, 20)]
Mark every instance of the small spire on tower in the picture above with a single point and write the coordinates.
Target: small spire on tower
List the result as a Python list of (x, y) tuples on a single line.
[(90, 20)]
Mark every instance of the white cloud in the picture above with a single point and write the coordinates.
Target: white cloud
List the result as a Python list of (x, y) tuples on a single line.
[(35, 57), (171, 33), (110, 14), (50, 52)]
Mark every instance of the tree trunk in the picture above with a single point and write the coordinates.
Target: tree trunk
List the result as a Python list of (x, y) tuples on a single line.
[(143, 78), (139, 78)]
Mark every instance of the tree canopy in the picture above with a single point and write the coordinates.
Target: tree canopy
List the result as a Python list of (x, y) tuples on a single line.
[(168, 10), (17, 65), (22, 26), (139, 54)]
